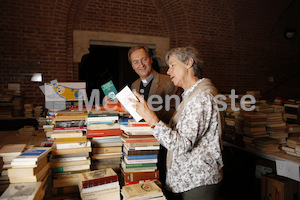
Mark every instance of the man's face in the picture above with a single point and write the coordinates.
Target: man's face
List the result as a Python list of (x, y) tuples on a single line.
[(141, 63)]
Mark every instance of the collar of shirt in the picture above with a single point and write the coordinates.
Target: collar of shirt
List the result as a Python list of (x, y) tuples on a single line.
[(147, 80), (188, 92)]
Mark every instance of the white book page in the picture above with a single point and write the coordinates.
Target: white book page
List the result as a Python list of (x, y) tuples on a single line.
[(123, 96)]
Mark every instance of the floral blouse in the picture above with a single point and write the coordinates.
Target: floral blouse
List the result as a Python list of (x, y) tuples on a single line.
[(194, 142)]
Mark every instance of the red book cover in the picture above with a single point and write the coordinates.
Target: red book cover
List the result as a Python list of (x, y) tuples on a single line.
[(137, 176), (97, 177), (103, 133)]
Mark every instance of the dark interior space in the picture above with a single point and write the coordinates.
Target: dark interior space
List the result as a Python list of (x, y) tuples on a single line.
[(105, 63)]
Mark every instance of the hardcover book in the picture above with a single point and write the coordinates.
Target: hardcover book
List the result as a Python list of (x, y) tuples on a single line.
[(141, 191), (97, 177)]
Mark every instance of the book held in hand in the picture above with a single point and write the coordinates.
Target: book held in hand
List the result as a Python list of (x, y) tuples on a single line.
[(109, 90)]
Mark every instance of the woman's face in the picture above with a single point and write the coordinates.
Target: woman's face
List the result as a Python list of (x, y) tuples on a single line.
[(177, 71)]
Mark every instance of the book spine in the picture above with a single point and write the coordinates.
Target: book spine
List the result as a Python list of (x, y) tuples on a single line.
[(127, 166), (70, 128), (73, 145), (140, 181), (139, 140), (137, 157), (137, 176), (65, 135), (70, 168)]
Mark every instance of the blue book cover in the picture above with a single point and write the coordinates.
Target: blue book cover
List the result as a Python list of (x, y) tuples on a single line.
[(124, 120), (109, 90), (137, 157)]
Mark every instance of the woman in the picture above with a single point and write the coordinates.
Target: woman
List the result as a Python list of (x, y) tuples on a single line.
[(194, 160)]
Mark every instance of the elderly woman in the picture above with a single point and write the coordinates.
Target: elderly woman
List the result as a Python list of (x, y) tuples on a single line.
[(194, 160)]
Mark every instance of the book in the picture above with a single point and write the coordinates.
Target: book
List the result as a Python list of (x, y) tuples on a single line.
[(10, 151), (109, 90), (66, 134), (103, 126), (87, 161), (24, 191), (73, 145), (103, 133), (33, 154), (138, 165), (71, 168), (151, 147), (137, 176), (39, 176), (103, 150), (145, 190), (138, 140), (65, 190), (138, 161), (139, 152), (27, 171), (138, 157), (107, 155), (97, 177), (123, 97), (107, 193), (71, 151), (108, 117)]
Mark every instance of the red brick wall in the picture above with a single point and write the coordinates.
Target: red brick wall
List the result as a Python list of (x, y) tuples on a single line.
[(241, 42)]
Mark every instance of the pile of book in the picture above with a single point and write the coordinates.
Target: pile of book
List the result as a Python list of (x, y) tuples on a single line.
[(99, 184), (70, 152), (104, 131), (6, 107), (142, 191), (8, 152), (30, 167), (292, 146), (28, 110), (266, 145), (292, 112), (140, 148), (276, 126), (26, 130), (254, 126)]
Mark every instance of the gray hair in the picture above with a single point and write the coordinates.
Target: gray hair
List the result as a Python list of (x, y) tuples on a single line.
[(183, 54)]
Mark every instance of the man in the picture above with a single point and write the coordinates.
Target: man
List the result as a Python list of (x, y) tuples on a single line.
[(151, 82)]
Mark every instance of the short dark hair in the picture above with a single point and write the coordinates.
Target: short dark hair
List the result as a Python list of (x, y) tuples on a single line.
[(134, 48), (183, 54)]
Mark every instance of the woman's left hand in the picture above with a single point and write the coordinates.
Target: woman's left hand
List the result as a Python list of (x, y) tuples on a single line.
[(142, 108)]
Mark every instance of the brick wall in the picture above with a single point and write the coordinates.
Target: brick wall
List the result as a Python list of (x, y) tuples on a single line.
[(241, 42)]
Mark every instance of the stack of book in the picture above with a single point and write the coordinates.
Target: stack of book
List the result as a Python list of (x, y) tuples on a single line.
[(104, 131), (292, 147), (70, 156), (38, 111), (266, 145), (229, 130), (293, 130), (140, 150), (27, 130), (28, 110), (31, 166), (255, 124), (18, 104), (292, 112), (99, 184), (6, 107), (276, 126), (70, 152), (142, 191), (8, 152)]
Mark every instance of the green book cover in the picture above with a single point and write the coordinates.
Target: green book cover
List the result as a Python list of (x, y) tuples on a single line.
[(109, 90)]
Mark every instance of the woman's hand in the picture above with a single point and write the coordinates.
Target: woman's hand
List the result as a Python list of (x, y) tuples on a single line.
[(142, 108)]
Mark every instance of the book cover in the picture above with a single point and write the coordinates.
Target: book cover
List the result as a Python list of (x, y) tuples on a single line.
[(139, 165), (137, 176), (33, 154), (109, 90), (73, 145), (103, 150), (103, 133), (147, 189), (71, 168), (139, 161), (123, 96), (70, 140), (97, 177), (71, 151), (24, 191), (70, 163), (138, 157)]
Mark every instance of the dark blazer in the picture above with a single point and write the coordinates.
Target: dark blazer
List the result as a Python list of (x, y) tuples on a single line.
[(162, 86)]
